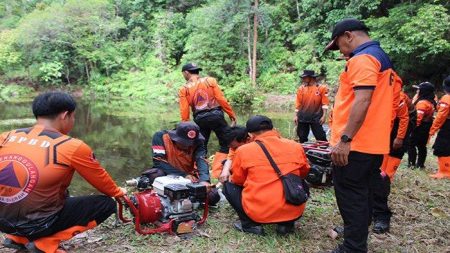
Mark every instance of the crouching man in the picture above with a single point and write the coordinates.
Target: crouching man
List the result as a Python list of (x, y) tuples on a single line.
[(182, 152), (36, 168), (255, 191)]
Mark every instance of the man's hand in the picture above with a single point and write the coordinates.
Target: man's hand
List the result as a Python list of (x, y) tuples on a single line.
[(398, 143), (339, 154), (429, 138), (233, 122), (192, 178), (322, 120), (124, 190), (207, 184), (224, 176), (296, 119)]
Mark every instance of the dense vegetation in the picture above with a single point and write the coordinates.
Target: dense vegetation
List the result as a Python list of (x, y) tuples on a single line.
[(134, 48)]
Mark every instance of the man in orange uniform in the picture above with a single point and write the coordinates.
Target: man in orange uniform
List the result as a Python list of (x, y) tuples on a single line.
[(206, 100), (401, 129), (182, 152), (311, 107), (425, 107), (442, 124), (36, 168), (236, 137), (255, 191), (360, 131)]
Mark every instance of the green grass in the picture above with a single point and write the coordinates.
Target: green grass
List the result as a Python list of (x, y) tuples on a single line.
[(421, 223)]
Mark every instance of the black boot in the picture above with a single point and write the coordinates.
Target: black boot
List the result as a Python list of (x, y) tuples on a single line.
[(284, 229), (8, 243), (257, 230), (339, 249), (381, 226)]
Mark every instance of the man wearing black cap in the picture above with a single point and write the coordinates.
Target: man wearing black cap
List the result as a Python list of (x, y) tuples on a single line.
[(311, 107), (255, 191), (206, 100), (181, 152), (361, 126)]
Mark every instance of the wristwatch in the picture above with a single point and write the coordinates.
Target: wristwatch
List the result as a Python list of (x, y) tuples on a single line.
[(345, 139)]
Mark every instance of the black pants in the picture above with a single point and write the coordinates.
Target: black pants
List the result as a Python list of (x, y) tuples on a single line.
[(79, 211), (381, 189), (213, 121), (233, 193), (353, 189), (317, 129), (419, 139)]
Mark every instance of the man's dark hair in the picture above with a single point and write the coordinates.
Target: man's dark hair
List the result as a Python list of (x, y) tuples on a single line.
[(194, 71), (446, 84), (50, 104), (238, 133)]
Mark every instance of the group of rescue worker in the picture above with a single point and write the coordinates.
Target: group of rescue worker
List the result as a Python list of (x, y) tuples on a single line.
[(372, 123)]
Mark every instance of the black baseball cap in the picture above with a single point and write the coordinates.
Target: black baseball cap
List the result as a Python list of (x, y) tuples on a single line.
[(257, 123), (426, 86), (187, 133), (190, 66), (345, 25)]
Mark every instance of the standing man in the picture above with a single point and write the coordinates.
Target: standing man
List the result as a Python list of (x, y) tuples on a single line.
[(36, 168), (361, 127), (206, 100), (311, 107), (441, 125)]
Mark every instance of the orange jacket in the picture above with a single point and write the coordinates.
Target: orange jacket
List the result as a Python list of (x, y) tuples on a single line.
[(442, 115), (263, 196), (202, 94), (36, 168), (402, 113), (310, 102), (425, 111)]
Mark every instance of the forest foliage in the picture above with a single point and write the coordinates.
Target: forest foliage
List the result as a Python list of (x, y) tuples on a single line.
[(135, 48)]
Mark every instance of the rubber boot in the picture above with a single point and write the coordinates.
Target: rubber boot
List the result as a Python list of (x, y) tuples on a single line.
[(392, 166), (217, 165), (444, 168), (50, 243)]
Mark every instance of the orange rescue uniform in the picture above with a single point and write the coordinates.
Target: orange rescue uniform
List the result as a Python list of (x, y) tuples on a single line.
[(202, 94), (263, 197), (364, 71), (36, 168), (310, 102), (442, 144)]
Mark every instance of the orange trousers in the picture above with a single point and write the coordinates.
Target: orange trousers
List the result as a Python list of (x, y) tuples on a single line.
[(217, 164), (50, 243), (390, 166), (444, 168)]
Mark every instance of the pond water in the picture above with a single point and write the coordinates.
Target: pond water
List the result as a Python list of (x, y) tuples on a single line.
[(120, 132)]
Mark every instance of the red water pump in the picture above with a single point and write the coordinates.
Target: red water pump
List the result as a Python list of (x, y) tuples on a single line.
[(169, 206)]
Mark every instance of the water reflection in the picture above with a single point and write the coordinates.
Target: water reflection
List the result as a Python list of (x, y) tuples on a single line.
[(120, 132)]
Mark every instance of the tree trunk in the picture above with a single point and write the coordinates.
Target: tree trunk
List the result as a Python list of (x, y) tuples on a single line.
[(249, 49), (298, 9), (86, 68), (67, 74), (255, 41)]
